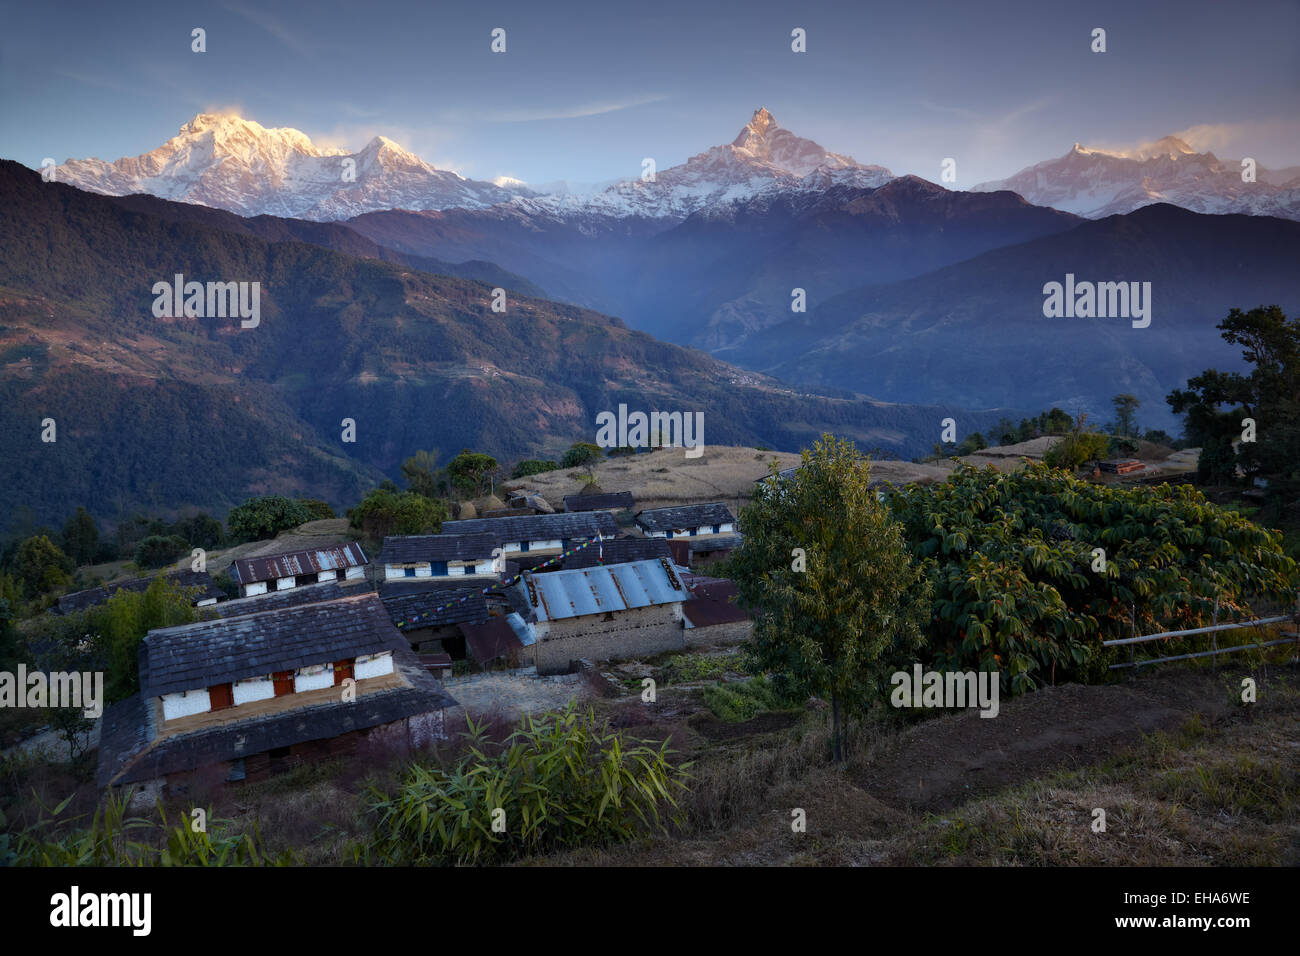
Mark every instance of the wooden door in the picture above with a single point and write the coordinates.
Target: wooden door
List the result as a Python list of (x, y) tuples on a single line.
[(342, 671), (221, 696), (283, 683)]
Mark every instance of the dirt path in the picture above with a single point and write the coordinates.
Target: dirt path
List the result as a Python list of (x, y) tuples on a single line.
[(946, 761)]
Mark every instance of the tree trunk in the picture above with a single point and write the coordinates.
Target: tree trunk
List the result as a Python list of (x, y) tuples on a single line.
[(835, 723)]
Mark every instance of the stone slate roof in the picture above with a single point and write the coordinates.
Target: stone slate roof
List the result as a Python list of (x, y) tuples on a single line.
[(419, 548), (292, 597), (618, 551), (684, 516), (411, 600), (599, 502), (81, 600), (563, 526), (129, 751), (192, 656), (287, 564)]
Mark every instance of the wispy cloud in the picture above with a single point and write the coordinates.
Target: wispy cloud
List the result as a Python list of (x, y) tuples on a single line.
[(598, 108), (290, 37)]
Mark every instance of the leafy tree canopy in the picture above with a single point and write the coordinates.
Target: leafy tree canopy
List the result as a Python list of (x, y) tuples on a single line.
[(838, 600)]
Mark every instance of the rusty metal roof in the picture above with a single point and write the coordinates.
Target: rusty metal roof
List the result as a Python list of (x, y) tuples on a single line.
[(289, 564), (617, 587)]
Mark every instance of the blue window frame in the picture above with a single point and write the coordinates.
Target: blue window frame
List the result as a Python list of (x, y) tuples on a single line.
[(439, 568), (408, 572), (523, 545)]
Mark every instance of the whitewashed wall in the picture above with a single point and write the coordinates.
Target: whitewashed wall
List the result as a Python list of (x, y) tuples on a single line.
[(355, 574), (257, 587), (185, 703), (324, 576), (283, 584), (373, 665), (258, 688), (305, 679)]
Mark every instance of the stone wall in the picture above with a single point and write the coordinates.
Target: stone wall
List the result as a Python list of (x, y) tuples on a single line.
[(733, 632), (638, 632)]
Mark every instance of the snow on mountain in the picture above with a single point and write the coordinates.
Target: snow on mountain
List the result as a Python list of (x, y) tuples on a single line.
[(763, 159), (236, 164), (1097, 183)]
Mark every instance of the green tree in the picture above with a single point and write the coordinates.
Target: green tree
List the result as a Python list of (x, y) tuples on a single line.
[(199, 531), (1126, 407), (824, 567), (581, 455), (41, 566), (1216, 404), (421, 473), (383, 512), (157, 551), (1083, 443), (265, 517), (81, 537), (317, 509), (471, 472)]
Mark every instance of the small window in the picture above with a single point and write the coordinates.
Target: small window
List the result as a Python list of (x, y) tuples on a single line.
[(408, 572), (717, 528), (694, 532), (523, 545)]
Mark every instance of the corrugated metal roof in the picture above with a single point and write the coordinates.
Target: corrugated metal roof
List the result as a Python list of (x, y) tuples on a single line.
[(564, 594), (292, 563)]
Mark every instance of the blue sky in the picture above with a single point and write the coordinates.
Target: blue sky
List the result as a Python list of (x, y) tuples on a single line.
[(586, 90)]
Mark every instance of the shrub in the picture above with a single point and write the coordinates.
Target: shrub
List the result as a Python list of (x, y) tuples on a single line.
[(266, 517), (562, 781), (581, 454), (384, 512), (108, 842), (743, 700), (317, 509)]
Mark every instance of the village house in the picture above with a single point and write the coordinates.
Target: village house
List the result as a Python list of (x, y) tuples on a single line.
[(206, 592), (697, 534), (683, 521), (279, 572), (275, 600), (535, 539), (439, 556), (606, 612), (428, 612), (239, 698), (712, 614)]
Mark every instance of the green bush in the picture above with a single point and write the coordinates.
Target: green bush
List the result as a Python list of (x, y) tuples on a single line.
[(533, 466), (317, 509), (265, 517), (743, 700), (108, 841), (383, 512), (562, 781)]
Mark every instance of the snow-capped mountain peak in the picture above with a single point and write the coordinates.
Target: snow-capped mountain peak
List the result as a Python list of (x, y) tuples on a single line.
[(232, 163), (764, 158), (1096, 182)]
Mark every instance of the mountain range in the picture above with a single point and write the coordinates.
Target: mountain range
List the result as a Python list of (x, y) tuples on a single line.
[(1097, 183), (377, 292), (166, 413)]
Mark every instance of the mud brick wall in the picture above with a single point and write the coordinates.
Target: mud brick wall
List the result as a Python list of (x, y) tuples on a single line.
[(638, 632)]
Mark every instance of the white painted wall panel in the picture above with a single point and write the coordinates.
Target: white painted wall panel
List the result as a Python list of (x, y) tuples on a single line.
[(376, 665), (247, 691), (185, 704), (313, 678)]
